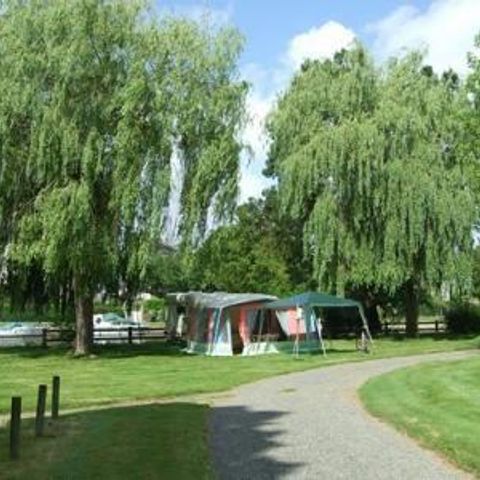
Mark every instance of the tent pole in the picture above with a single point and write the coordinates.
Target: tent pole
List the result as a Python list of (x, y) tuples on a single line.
[(365, 323), (262, 319), (320, 336), (296, 345)]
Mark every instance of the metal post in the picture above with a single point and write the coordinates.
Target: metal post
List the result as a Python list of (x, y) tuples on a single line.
[(15, 423)]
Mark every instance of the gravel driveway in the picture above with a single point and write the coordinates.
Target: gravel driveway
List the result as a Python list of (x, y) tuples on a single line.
[(311, 425)]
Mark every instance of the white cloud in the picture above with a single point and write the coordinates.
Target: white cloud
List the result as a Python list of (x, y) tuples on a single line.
[(446, 30), (267, 84), (319, 43)]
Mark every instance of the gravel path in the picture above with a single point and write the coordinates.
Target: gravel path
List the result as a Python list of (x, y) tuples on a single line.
[(311, 425)]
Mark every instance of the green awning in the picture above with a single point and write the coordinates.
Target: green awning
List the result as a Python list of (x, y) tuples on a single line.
[(312, 299)]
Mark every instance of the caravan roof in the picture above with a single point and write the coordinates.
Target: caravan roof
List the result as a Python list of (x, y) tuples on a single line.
[(218, 299)]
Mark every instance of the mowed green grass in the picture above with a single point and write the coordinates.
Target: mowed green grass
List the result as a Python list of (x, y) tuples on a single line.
[(140, 442), (167, 440), (144, 372), (438, 404)]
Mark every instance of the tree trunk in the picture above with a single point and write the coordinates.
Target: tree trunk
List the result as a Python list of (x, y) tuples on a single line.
[(412, 299), (83, 320)]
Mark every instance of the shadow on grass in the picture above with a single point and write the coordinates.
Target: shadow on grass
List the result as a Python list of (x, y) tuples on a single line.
[(167, 441)]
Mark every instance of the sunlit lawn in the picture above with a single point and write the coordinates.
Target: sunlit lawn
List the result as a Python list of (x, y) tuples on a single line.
[(119, 374), (439, 404), (166, 441)]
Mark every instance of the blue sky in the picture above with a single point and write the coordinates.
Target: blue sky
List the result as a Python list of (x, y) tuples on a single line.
[(280, 34)]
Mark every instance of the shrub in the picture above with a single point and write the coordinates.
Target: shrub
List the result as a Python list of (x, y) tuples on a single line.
[(463, 318), (154, 308), (154, 304), (108, 308)]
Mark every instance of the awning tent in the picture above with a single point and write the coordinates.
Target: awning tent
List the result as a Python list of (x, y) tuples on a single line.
[(313, 299), (220, 323), (299, 317)]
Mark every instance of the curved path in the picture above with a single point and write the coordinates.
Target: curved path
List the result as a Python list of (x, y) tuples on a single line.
[(311, 425)]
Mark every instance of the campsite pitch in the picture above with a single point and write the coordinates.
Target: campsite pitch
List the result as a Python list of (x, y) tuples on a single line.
[(144, 372), (140, 441)]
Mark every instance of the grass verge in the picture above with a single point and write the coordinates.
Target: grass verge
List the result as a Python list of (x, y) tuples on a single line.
[(438, 404)]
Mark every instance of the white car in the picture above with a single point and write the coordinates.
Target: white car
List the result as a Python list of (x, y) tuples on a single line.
[(112, 328), (21, 334)]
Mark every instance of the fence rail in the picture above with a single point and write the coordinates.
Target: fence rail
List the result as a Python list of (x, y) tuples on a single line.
[(426, 327), (53, 335)]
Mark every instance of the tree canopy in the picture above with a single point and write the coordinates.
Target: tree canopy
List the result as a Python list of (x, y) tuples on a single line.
[(245, 256), (369, 160), (97, 96)]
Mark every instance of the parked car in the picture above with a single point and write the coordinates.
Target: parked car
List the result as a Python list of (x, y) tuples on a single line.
[(112, 328), (21, 334)]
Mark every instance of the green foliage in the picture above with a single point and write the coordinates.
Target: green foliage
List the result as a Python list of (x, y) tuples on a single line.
[(369, 161), (109, 307), (86, 142), (154, 308), (100, 96), (154, 304), (243, 257), (463, 318), (476, 272), (165, 272)]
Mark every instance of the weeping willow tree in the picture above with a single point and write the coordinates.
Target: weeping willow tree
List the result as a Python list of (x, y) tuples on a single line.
[(97, 97), (369, 160), (472, 118)]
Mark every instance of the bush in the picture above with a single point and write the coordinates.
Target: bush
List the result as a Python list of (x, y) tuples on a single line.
[(108, 308), (154, 304), (463, 318), (154, 308)]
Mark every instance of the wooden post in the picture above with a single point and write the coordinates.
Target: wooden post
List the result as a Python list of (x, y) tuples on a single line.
[(385, 328), (44, 337), (40, 416), (436, 326), (15, 423), (55, 396), (130, 335)]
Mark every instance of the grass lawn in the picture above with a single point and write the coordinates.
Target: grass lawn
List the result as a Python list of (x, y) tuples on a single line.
[(166, 441), (143, 442), (438, 404), (157, 371)]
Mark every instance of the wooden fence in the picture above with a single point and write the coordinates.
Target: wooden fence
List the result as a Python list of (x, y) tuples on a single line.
[(427, 327), (135, 335), (55, 336)]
